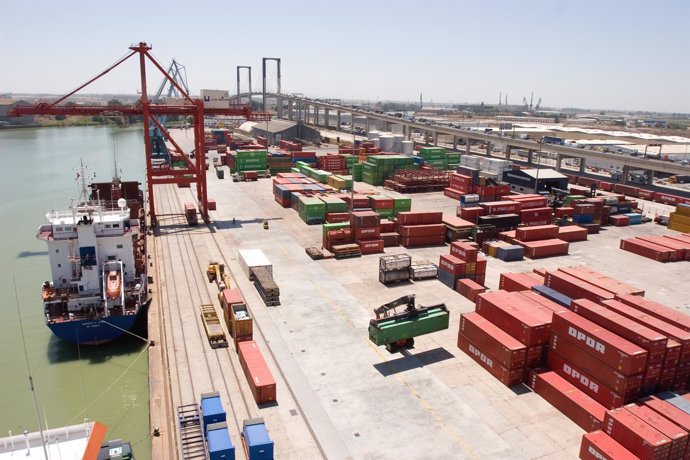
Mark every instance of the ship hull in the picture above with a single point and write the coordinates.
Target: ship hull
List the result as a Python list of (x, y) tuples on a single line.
[(94, 331)]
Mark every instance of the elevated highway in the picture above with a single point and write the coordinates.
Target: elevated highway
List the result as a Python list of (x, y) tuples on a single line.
[(319, 114)]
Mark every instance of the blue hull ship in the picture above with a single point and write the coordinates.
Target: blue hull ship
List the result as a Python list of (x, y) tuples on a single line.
[(97, 253)]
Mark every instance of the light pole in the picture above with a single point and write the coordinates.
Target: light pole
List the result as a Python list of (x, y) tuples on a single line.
[(536, 180)]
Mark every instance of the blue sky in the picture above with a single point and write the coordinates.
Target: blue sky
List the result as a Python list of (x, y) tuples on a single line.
[(571, 53)]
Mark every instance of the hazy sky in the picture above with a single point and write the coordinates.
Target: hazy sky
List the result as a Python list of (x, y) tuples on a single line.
[(572, 53)]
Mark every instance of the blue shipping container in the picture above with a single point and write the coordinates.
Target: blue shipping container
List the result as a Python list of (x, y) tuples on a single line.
[(448, 278), (259, 444), (551, 294), (510, 253), (219, 444), (583, 218), (211, 409), (634, 217)]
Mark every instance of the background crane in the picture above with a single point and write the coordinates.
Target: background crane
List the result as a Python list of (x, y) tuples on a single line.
[(193, 171), (159, 149)]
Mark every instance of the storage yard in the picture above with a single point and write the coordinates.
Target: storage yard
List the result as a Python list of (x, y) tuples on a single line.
[(336, 394)]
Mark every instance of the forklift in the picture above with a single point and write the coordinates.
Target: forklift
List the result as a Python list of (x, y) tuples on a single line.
[(397, 330)]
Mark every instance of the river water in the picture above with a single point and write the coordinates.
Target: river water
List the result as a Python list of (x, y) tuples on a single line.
[(108, 383)]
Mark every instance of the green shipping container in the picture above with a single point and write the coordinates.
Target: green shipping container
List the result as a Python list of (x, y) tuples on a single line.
[(385, 213), (389, 330), (334, 204), (336, 226)]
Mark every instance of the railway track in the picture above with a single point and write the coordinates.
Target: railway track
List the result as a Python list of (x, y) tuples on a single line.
[(192, 363)]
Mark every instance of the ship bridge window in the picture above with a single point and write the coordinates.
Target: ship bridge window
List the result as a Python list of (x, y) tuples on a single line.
[(87, 255), (119, 246), (111, 257), (116, 225)]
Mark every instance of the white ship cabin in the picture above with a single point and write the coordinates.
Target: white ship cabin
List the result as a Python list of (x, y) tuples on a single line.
[(86, 241)]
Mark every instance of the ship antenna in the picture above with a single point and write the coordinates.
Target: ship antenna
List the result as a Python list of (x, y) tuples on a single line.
[(81, 174), (28, 369)]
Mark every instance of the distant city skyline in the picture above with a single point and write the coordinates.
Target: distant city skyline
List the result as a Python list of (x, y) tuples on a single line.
[(617, 55)]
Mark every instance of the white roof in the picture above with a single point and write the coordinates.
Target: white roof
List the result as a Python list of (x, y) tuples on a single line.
[(545, 173), (247, 126)]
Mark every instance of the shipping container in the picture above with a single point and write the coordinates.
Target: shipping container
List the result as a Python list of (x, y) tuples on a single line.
[(211, 409), (553, 295), (505, 349), (657, 310), (677, 435), (256, 440), (636, 435), (574, 287), (610, 348), (259, 377), (602, 281), (564, 396), (504, 375), (572, 233), (536, 233), (597, 445), (640, 335), (544, 248), (469, 288), (645, 249), (251, 258), (527, 327), (464, 251), (584, 381), (625, 385), (218, 441)]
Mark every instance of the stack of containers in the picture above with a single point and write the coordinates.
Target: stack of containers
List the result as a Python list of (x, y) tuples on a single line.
[(304, 157), (421, 228), (332, 162), (394, 268), (382, 205), (588, 213), (540, 241), (659, 248), (279, 162), (680, 219), (572, 233), (340, 182), (290, 146), (503, 215), (434, 157), (495, 167), (311, 210), (247, 160), (459, 185), (462, 262), (378, 167), (513, 282), (367, 231), (602, 364), (337, 236)]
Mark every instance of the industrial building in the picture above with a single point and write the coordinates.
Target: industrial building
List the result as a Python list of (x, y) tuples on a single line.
[(281, 130), (8, 104), (535, 180)]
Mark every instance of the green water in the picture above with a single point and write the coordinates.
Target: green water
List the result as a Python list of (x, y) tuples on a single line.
[(37, 174)]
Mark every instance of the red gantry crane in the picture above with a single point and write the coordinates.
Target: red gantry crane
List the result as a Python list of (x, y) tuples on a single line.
[(195, 168)]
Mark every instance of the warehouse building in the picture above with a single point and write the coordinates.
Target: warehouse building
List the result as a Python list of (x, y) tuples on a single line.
[(281, 130), (6, 105), (535, 180)]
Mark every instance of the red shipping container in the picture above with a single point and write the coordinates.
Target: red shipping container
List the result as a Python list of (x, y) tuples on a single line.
[(380, 202), (575, 288), (481, 266), (640, 335), (388, 226), (259, 377), (452, 193), (645, 249), (512, 282), (532, 296), (471, 213), (669, 411), (469, 288), (637, 435), (420, 218), (501, 207), (626, 385), (498, 344), (600, 446), (390, 239), (604, 282), (503, 374), (373, 246), (542, 232), (619, 220), (364, 219), (464, 251), (564, 211), (535, 223), (544, 248), (682, 247), (416, 241), (657, 310), (587, 383), (525, 326), (337, 217), (422, 230), (536, 213), (564, 396), (612, 349), (231, 297), (536, 356), (656, 324), (528, 202), (452, 264), (367, 233)]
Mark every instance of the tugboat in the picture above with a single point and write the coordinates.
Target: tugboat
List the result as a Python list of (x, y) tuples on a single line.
[(97, 253)]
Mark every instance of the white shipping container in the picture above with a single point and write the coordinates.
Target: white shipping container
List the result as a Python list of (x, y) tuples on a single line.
[(252, 258)]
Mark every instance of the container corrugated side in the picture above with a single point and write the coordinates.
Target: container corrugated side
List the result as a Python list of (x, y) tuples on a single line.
[(597, 445), (505, 349), (637, 435)]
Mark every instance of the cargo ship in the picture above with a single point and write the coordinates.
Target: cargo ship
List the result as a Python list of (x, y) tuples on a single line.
[(97, 254)]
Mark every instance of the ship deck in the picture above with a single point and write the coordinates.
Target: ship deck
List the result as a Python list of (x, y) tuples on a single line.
[(340, 396)]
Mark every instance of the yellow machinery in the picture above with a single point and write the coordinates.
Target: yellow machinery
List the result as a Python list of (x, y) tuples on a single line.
[(216, 272)]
